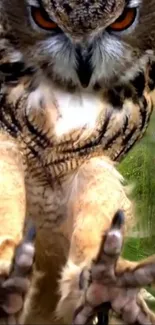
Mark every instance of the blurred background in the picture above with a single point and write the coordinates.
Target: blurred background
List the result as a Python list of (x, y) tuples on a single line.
[(138, 168)]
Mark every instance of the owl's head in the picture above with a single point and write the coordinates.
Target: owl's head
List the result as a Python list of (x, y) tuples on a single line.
[(79, 43)]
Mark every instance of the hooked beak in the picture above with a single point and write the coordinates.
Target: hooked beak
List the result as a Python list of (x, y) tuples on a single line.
[(84, 66)]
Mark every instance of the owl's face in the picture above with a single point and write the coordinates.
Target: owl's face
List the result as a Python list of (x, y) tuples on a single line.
[(80, 43)]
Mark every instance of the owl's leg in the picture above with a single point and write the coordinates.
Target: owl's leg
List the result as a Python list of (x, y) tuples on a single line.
[(13, 287), (115, 281)]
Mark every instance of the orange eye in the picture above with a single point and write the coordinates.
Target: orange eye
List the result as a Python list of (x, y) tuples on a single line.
[(41, 19), (125, 20)]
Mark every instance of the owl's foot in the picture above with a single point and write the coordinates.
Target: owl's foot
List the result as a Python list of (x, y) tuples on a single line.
[(114, 283), (14, 287)]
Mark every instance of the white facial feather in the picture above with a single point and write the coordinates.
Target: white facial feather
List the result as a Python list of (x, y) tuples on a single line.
[(33, 3), (107, 54), (63, 55), (134, 3)]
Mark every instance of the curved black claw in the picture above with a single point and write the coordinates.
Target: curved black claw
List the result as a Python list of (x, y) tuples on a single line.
[(118, 220)]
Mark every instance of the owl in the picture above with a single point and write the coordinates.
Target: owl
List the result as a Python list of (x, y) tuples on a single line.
[(77, 81)]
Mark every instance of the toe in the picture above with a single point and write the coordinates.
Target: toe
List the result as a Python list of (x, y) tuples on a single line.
[(112, 241), (24, 254), (15, 287)]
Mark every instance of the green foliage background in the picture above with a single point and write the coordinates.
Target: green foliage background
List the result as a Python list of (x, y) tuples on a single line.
[(139, 168)]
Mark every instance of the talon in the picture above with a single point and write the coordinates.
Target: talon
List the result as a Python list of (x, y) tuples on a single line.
[(115, 282), (118, 220), (103, 313), (31, 234), (118, 286), (114, 239)]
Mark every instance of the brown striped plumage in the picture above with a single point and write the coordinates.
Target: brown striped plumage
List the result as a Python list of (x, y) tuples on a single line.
[(115, 131)]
